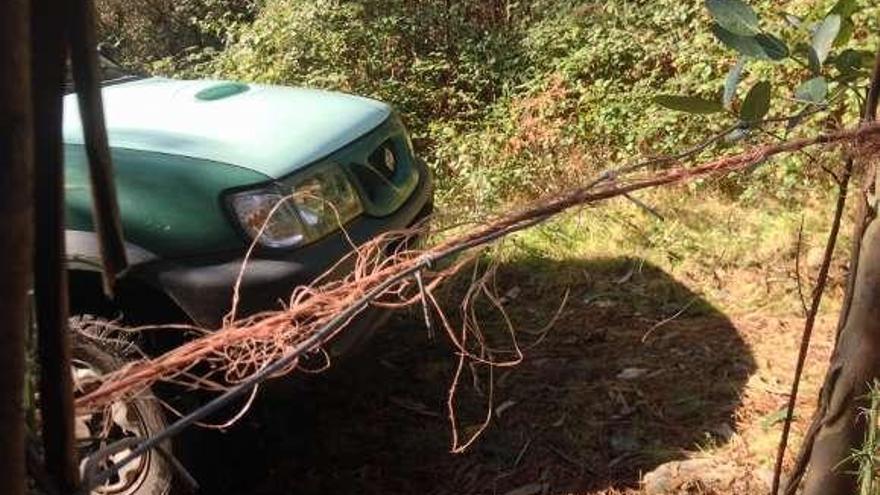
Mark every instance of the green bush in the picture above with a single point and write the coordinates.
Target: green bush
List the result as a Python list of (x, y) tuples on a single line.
[(142, 32), (434, 60), (588, 105), (506, 100)]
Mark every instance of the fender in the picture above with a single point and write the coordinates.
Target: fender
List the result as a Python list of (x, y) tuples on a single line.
[(84, 251)]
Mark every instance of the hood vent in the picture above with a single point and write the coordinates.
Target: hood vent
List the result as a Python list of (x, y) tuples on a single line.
[(221, 90)]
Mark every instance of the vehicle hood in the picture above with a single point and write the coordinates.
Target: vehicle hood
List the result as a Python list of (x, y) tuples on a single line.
[(268, 129)]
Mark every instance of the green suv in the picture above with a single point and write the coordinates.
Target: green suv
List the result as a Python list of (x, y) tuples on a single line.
[(199, 166)]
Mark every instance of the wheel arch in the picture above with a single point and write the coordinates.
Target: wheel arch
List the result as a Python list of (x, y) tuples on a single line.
[(136, 301)]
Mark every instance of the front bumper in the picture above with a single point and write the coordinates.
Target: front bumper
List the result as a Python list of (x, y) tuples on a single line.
[(203, 287)]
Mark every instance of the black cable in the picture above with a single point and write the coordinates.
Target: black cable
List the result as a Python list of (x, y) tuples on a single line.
[(246, 386)]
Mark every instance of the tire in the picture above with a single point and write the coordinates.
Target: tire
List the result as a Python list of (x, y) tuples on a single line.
[(142, 417)]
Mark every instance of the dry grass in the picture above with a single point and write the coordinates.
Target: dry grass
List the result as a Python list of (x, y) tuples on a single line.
[(678, 341), (596, 403), (379, 275)]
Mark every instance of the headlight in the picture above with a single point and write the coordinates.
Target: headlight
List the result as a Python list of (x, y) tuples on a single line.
[(253, 209), (305, 209), (324, 201)]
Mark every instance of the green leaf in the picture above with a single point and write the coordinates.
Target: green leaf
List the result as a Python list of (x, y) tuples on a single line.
[(688, 104), (774, 47), (813, 91), (757, 103), (810, 54), (735, 16), (745, 45), (868, 59), (847, 28), (850, 61), (732, 81), (845, 8), (825, 35), (850, 77), (815, 64)]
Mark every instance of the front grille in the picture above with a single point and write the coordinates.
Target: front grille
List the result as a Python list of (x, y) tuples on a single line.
[(384, 160), (386, 177), (383, 168)]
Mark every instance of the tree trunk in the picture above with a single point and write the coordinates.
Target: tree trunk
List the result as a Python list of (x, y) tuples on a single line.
[(50, 274), (15, 242), (854, 366), (839, 425)]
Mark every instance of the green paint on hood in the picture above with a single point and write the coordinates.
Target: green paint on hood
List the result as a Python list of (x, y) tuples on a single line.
[(268, 129)]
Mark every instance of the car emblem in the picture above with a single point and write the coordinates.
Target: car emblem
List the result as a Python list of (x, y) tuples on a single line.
[(390, 161)]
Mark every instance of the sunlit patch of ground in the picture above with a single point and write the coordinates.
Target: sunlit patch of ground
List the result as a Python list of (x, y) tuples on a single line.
[(659, 355)]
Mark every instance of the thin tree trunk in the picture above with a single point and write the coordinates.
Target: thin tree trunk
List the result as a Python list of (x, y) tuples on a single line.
[(86, 77), (838, 428), (15, 243), (50, 274), (854, 366)]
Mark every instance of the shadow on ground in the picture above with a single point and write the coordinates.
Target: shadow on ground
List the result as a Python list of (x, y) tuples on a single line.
[(595, 403)]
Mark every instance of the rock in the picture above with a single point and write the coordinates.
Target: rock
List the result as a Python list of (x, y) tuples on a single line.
[(723, 431), (631, 373), (671, 476)]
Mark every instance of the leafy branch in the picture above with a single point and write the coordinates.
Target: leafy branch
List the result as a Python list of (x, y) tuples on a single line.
[(814, 47)]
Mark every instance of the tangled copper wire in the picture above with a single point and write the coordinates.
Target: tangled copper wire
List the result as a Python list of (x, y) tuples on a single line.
[(219, 359)]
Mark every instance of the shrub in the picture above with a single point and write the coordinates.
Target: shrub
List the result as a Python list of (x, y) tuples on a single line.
[(141, 32), (506, 100), (434, 60)]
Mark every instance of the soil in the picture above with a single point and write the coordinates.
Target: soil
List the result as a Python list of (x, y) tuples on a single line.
[(637, 371)]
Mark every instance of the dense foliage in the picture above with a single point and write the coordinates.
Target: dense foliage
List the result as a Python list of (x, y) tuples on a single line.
[(140, 32), (506, 99)]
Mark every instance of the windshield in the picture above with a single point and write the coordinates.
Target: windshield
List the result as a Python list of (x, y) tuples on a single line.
[(110, 72)]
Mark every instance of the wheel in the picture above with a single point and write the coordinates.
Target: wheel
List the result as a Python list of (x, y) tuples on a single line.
[(92, 356)]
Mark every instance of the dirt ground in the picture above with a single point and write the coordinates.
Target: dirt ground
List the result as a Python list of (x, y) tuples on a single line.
[(637, 371)]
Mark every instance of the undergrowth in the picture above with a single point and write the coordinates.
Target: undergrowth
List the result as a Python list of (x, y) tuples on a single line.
[(506, 101), (509, 101), (740, 258), (867, 458)]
